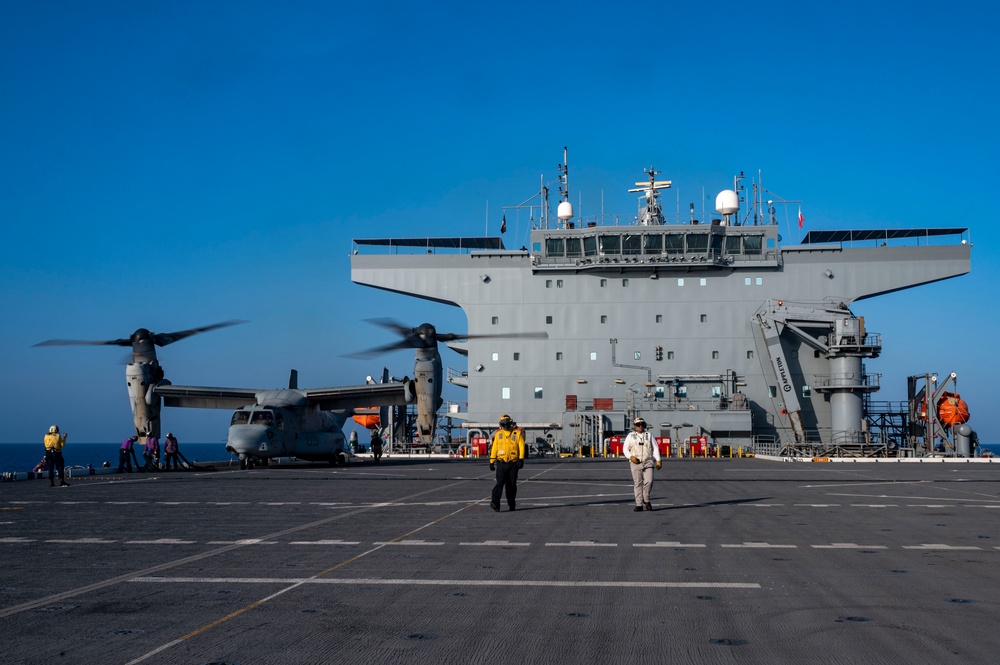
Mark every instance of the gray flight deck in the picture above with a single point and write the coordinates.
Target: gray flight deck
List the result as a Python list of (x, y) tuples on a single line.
[(741, 561)]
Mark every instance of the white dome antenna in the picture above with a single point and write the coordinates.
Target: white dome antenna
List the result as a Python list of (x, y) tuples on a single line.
[(727, 204)]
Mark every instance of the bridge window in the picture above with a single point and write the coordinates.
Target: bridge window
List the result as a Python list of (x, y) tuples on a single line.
[(673, 243), (752, 244), (555, 247), (632, 244), (732, 244), (590, 246), (716, 392), (574, 248), (697, 243), (652, 244), (610, 244)]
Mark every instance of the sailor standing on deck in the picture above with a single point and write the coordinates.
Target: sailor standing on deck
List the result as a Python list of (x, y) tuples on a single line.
[(506, 457), (643, 454), (54, 443)]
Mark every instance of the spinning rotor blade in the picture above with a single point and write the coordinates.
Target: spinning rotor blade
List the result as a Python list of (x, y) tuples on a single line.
[(160, 339), (426, 336)]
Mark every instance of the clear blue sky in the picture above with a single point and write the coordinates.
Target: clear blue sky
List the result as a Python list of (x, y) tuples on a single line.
[(170, 165)]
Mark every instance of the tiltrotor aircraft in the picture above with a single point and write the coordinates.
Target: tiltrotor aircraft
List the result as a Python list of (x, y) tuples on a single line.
[(427, 365), (291, 422)]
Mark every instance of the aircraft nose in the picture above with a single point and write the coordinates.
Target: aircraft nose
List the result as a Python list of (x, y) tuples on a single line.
[(249, 439)]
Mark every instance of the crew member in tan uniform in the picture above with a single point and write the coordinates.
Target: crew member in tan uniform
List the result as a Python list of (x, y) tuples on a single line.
[(643, 454)]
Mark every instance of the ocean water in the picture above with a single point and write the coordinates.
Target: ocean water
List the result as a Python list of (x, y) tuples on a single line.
[(24, 456)]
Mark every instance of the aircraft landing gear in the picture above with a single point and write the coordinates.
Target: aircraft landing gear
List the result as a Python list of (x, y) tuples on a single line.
[(248, 462)]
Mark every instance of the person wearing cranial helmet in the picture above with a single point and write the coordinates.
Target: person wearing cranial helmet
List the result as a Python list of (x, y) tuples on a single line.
[(506, 457), (643, 455)]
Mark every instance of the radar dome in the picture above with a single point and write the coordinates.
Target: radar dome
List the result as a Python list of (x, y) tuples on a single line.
[(565, 210), (727, 202)]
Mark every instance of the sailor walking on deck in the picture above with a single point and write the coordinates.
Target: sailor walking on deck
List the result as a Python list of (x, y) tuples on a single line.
[(643, 454), (506, 457)]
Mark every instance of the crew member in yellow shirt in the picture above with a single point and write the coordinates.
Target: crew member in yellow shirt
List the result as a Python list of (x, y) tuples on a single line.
[(506, 457), (54, 443)]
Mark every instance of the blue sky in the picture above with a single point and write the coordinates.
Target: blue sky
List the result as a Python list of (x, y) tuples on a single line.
[(170, 165)]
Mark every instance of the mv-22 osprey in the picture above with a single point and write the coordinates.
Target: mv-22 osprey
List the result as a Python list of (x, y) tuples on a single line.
[(291, 422)]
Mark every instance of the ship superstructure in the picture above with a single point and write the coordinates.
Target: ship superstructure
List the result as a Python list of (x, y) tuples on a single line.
[(706, 327)]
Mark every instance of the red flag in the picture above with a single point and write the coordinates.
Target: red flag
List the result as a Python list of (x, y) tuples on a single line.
[(801, 218)]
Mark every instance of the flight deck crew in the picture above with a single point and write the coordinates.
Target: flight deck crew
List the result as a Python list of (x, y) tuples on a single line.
[(506, 457), (643, 454), (126, 453), (54, 443), (152, 453), (170, 452)]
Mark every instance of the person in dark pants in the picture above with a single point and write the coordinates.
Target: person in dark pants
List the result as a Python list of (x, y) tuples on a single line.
[(506, 457), (170, 451), (54, 443), (126, 454)]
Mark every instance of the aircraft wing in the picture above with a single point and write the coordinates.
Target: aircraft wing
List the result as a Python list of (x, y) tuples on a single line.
[(350, 397), (199, 397)]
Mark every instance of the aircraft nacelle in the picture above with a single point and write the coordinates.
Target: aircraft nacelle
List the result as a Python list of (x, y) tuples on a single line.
[(142, 378), (427, 377)]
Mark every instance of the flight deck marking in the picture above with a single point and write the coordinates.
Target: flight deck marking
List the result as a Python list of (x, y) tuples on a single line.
[(497, 543), (581, 543), (662, 543), (755, 545), (255, 604), (161, 541), (325, 542), (939, 546), (81, 541), (16, 540), (416, 582), (410, 541), (243, 541), (849, 546)]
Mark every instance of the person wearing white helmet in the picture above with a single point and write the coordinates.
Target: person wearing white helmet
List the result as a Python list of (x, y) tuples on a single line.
[(643, 454), (506, 457), (54, 442), (171, 451)]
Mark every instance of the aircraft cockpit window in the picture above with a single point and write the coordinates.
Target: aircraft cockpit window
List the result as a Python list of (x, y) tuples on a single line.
[(240, 418), (262, 418), (279, 420)]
